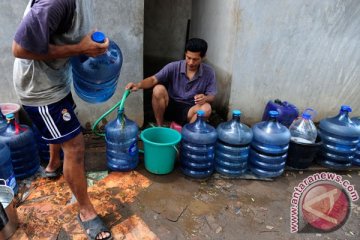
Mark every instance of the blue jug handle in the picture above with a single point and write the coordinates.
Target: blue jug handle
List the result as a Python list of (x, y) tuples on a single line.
[(312, 112)]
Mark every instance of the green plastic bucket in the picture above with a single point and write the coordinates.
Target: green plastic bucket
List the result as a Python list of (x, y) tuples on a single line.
[(160, 149)]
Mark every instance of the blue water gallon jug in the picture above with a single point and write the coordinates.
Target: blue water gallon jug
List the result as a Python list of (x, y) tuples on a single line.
[(3, 122), (121, 137), (198, 148), (22, 145), (269, 147), (6, 168), (95, 79), (232, 146), (340, 137), (356, 159), (288, 112)]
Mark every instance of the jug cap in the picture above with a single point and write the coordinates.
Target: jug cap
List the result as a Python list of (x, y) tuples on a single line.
[(10, 116), (306, 116), (345, 108), (236, 112), (98, 37), (273, 113), (200, 112)]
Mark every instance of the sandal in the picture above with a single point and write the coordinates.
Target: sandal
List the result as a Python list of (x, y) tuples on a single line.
[(94, 227), (54, 174)]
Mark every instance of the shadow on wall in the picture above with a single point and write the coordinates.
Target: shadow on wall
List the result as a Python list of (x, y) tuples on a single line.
[(221, 104), (220, 107)]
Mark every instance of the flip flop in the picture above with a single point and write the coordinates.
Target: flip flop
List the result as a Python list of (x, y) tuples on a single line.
[(94, 227), (54, 174)]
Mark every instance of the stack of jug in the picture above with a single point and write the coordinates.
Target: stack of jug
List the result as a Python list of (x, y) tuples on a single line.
[(356, 159), (340, 137), (95, 79), (269, 147), (304, 144), (198, 148), (121, 136), (232, 146), (21, 142)]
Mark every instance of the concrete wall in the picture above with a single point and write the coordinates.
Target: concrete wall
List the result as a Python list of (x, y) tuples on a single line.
[(305, 52), (165, 28), (121, 20)]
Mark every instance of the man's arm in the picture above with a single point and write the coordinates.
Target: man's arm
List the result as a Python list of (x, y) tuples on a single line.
[(144, 84), (86, 46)]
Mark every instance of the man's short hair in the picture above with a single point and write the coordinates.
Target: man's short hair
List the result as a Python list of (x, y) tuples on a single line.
[(196, 45)]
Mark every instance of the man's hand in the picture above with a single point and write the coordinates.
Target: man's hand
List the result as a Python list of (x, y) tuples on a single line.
[(133, 87), (91, 48), (200, 99)]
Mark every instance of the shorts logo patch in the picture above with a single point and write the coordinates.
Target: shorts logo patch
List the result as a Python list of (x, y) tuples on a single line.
[(66, 115)]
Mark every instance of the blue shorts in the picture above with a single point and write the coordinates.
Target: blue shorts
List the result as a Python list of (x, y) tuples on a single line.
[(56, 122)]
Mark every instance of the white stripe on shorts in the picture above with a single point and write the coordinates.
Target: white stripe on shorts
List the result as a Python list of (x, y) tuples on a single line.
[(49, 122)]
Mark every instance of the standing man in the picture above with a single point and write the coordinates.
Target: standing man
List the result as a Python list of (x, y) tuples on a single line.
[(182, 87), (49, 33)]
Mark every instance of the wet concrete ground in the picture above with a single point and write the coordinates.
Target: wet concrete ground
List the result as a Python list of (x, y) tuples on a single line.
[(142, 205)]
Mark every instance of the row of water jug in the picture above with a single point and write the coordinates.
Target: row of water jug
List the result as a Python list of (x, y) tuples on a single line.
[(339, 136), (233, 148), (19, 156)]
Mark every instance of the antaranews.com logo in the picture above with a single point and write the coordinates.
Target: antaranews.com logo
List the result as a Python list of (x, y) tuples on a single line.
[(321, 203)]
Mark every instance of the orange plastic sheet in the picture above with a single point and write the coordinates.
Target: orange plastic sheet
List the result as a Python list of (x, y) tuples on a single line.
[(48, 209)]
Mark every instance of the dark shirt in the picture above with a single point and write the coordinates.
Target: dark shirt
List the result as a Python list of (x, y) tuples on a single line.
[(45, 19), (179, 86)]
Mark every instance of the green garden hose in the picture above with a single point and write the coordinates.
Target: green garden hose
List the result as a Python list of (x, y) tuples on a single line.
[(121, 107)]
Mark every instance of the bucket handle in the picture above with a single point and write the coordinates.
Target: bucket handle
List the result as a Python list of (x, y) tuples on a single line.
[(3, 182), (176, 149)]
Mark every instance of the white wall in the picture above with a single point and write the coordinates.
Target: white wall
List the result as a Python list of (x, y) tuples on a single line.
[(305, 52)]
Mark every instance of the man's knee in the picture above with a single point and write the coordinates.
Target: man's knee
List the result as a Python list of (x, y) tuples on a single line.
[(75, 146), (193, 111), (159, 91), (207, 109)]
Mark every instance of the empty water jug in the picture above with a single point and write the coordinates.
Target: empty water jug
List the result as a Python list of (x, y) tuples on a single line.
[(303, 129), (95, 78), (22, 145), (121, 136), (356, 159), (340, 137), (287, 111), (198, 148), (6, 168), (232, 146), (269, 147)]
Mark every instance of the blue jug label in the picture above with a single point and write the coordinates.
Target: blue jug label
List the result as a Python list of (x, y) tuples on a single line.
[(11, 182), (133, 149)]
